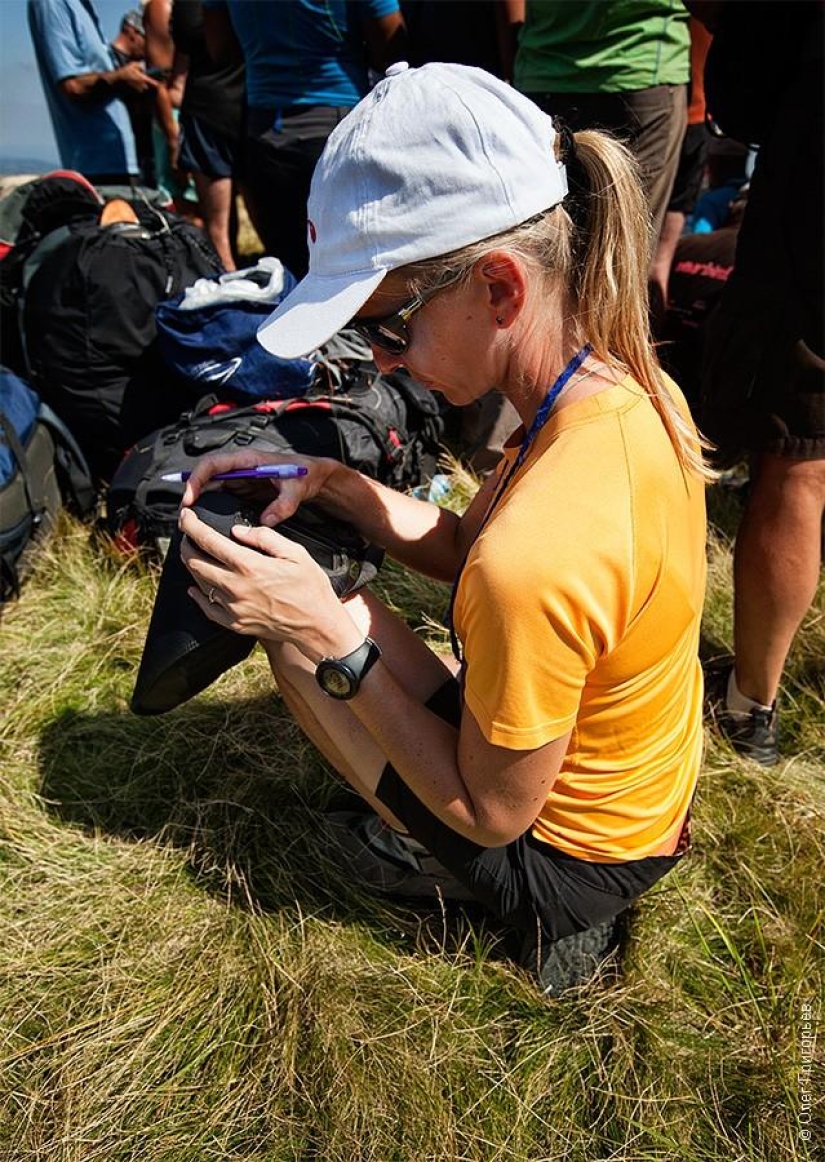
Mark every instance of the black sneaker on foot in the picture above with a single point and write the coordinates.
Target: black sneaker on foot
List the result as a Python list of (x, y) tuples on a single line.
[(755, 735), (572, 961), (384, 861)]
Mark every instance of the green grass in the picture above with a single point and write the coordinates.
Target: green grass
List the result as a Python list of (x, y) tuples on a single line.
[(186, 976)]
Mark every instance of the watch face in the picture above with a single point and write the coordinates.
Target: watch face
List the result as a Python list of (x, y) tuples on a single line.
[(336, 682)]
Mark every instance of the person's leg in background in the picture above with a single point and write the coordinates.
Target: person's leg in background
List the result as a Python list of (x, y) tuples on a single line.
[(686, 186), (776, 568), (179, 186), (212, 160), (215, 198), (775, 327), (690, 174)]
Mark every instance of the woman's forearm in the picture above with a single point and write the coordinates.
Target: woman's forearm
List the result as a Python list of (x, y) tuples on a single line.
[(414, 532)]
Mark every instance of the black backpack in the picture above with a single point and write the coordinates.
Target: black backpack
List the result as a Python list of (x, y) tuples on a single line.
[(88, 321), (387, 427), (28, 214)]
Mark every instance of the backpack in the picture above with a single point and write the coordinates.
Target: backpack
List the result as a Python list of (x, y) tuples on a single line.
[(387, 427), (29, 213), (207, 336), (40, 467), (88, 321)]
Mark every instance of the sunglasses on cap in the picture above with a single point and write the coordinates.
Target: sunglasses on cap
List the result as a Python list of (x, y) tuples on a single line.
[(390, 333)]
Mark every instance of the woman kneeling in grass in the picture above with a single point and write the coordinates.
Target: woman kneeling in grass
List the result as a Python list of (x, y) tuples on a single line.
[(547, 773)]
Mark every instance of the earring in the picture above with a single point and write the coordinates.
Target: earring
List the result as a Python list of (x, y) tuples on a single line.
[(500, 320)]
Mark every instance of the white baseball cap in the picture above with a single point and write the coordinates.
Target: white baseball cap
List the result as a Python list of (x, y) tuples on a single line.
[(430, 160)]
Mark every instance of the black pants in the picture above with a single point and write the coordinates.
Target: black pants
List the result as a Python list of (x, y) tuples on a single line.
[(528, 879), (281, 149)]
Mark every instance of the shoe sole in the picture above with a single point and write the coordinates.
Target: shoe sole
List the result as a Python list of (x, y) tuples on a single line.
[(574, 960)]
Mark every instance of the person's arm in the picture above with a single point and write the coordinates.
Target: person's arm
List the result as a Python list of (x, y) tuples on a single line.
[(164, 114), (102, 86), (160, 48), (658, 278), (489, 794), (67, 66), (270, 588), (421, 535), (510, 17), (386, 39), (176, 84)]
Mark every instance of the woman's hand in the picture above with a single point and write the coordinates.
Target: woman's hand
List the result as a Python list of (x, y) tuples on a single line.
[(288, 494), (264, 585)]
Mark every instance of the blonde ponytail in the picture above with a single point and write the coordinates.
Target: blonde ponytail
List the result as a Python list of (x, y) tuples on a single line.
[(597, 242), (612, 249)]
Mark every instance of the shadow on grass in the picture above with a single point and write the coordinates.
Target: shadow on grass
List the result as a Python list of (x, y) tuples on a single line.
[(238, 787)]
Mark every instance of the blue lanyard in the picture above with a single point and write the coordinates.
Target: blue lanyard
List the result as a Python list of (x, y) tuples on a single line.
[(541, 418)]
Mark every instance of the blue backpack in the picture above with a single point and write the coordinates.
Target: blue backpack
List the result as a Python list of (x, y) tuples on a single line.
[(207, 337), (41, 467)]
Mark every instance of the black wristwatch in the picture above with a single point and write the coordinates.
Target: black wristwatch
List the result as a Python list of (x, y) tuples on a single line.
[(342, 677)]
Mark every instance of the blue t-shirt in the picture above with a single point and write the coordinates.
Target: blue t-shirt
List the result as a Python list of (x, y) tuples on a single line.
[(93, 137), (303, 52)]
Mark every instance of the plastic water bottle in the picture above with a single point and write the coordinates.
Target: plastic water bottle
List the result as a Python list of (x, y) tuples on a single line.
[(437, 490)]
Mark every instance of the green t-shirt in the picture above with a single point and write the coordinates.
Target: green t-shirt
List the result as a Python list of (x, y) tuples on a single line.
[(602, 46)]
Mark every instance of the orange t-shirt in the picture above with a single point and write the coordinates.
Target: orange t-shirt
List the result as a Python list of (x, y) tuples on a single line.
[(579, 607)]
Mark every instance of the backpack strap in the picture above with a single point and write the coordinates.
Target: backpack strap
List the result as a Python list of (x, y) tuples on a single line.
[(9, 578), (74, 473), (37, 504), (33, 258)]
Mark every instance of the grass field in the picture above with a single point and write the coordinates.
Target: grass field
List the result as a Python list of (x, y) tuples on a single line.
[(185, 975)]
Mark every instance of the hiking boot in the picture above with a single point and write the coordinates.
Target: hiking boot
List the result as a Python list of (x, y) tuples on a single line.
[(384, 861), (755, 735), (572, 961)]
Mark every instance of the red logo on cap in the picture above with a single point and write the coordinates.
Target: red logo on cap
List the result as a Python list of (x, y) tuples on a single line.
[(313, 234)]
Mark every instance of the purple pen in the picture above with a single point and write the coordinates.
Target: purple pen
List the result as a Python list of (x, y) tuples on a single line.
[(262, 472)]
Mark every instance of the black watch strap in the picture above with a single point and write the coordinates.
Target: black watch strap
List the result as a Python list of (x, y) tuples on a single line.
[(341, 678)]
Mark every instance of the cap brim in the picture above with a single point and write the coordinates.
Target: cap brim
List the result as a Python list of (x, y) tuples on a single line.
[(315, 310)]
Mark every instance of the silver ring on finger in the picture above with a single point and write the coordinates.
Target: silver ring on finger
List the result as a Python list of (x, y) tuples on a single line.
[(210, 597)]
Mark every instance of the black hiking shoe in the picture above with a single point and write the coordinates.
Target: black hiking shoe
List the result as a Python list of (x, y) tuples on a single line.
[(572, 961), (383, 861), (755, 735)]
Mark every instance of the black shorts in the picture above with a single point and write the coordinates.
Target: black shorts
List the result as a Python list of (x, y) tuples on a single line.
[(205, 150), (528, 879), (763, 373)]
